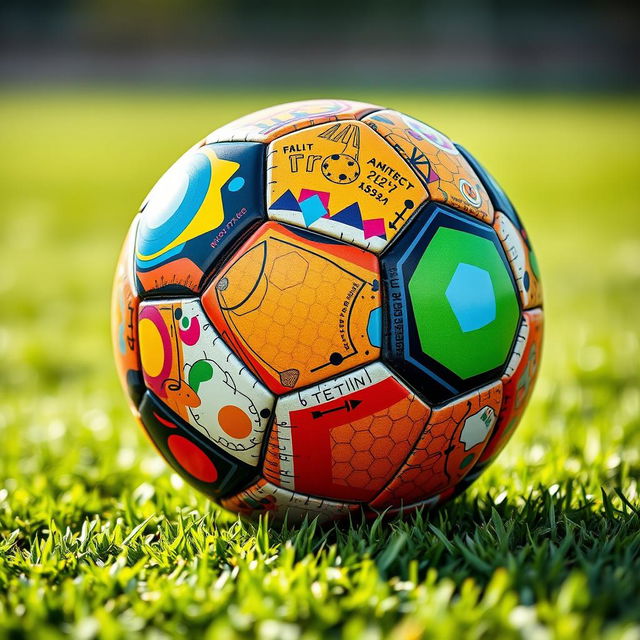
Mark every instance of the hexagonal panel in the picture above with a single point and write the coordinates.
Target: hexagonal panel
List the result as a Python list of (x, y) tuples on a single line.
[(124, 323), (450, 445), (267, 124), (522, 260), (518, 382), (280, 504), (195, 212), (344, 438), (192, 371), (297, 307), (453, 306), (199, 461), (342, 180), (436, 160)]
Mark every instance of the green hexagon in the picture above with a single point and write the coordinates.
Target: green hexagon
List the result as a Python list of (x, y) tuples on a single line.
[(437, 290)]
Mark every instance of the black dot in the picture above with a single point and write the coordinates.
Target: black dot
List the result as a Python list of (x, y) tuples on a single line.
[(178, 313), (335, 358), (366, 353), (408, 204), (350, 163), (325, 165), (335, 156), (526, 281), (342, 176), (265, 413)]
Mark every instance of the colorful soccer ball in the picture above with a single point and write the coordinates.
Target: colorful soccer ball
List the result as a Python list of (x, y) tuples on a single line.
[(326, 307)]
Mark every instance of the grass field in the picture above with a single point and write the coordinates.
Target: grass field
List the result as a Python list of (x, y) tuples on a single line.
[(99, 538)]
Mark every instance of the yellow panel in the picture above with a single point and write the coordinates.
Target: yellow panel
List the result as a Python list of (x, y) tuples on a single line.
[(343, 180)]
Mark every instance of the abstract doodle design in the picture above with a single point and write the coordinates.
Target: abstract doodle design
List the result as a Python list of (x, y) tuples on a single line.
[(523, 261), (195, 212), (343, 180), (518, 382), (346, 437), (264, 497), (190, 369), (124, 323), (297, 307), (194, 457), (436, 160), (268, 124), (452, 304), (450, 445)]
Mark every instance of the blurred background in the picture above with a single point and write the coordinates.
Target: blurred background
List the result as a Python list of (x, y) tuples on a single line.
[(98, 98), (437, 44)]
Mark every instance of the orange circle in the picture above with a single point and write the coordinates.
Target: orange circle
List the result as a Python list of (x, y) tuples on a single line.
[(234, 422)]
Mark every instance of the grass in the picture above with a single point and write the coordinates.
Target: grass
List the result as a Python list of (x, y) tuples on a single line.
[(99, 539)]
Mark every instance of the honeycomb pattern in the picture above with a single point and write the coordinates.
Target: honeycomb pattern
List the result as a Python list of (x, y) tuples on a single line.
[(295, 309), (447, 450), (331, 440), (446, 173), (366, 452)]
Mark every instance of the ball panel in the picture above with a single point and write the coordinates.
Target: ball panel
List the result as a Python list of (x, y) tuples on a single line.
[(297, 307), (344, 438), (518, 382), (447, 175), (498, 197), (343, 180), (265, 498), (267, 124), (124, 323), (452, 312), (522, 260), (195, 213), (450, 445), (193, 456), (191, 370)]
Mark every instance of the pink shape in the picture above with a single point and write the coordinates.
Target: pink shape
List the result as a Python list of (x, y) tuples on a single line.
[(191, 335), (433, 176), (323, 195), (374, 227)]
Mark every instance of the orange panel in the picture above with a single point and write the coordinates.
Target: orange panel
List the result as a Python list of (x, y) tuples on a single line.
[(447, 175), (124, 323), (447, 450), (297, 307), (518, 382), (267, 124)]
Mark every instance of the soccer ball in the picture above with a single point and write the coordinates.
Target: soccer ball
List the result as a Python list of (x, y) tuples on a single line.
[(326, 307)]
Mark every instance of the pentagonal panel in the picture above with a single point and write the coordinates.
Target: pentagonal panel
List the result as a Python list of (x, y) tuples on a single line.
[(193, 456), (265, 498), (450, 445), (267, 124), (343, 180), (195, 212), (522, 260), (124, 323), (436, 160), (344, 438), (452, 304), (518, 382), (297, 307), (191, 370)]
